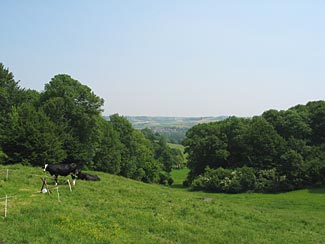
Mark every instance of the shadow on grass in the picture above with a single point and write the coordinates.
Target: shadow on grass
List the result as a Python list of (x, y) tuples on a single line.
[(178, 186), (317, 190)]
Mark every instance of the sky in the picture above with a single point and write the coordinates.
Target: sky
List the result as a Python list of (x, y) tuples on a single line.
[(172, 57)]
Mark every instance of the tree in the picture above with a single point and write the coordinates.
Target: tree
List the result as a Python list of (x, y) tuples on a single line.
[(317, 121), (137, 153), (291, 164), (74, 107), (150, 135), (287, 123), (124, 129), (31, 137), (291, 167), (206, 145), (178, 159), (108, 149), (265, 144), (163, 154), (236, 130), (9, 96), (275, 118), (167, 156), (10, 91)]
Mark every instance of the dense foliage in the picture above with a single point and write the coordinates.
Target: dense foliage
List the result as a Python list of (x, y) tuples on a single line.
[(64, 124), (172, 134), (171, 158), (277, 151)]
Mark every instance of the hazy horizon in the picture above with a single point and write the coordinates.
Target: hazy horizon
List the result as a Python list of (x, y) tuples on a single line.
[(172, 58), (149, 116)]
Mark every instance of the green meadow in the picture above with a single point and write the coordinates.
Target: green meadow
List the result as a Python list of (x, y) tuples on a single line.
[(119, 210)]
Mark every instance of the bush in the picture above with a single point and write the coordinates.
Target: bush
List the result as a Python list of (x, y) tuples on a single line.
[(266, 180), (247, 178), (170, 181), (152, 170), (315, 172), (242, 180), (165, 179), (199, 183), (226, 180)]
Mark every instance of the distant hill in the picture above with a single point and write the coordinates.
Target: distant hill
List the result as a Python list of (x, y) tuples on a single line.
[(141, 122), (173, 128)]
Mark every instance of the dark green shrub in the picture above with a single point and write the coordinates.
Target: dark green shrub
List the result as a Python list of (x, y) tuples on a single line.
[(226, 180), (266, 181), (165, 179), (247, 178), (315, 172), (170, 181)]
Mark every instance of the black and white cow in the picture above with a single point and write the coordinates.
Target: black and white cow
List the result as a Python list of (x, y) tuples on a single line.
[(63, 170), (86, 176)]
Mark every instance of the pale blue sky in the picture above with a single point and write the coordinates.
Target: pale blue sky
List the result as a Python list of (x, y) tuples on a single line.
[(172, 57)]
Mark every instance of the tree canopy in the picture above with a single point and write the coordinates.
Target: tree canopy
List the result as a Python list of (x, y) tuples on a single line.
[(64, 124), (279, 150)]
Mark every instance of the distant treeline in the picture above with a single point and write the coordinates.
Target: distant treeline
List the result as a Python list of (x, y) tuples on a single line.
[(63, 124), (277, 151), (172, 134)]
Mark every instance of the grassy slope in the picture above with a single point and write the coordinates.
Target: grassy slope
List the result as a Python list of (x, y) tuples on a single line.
[(118, 210), (176, 146)]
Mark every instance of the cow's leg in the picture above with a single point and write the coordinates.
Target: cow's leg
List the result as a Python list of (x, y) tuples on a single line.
[(56, 179), (73, 179)]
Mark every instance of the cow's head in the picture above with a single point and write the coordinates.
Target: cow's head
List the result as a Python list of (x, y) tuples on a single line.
[(45, 166)]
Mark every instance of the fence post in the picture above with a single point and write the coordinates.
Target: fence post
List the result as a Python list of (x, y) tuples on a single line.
[(44, 186), (69, 185), (57, 189), (6, 206), (7, 175)]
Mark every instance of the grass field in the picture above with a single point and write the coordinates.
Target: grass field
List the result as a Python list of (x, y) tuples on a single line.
[(118, 210), (179, 176), (176, 146)]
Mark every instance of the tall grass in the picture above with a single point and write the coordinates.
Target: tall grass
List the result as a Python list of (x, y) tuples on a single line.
[(119, 210)]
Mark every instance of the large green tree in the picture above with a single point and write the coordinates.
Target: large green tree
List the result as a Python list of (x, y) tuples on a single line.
[(15, 122), (236, 131), (10, 91), (289, 123), (265, 145), (31, 137), (317, 121), (9, 96), (108, 150), (74, 107), (206, 145)]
